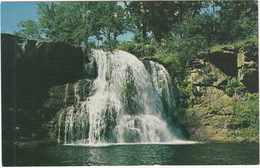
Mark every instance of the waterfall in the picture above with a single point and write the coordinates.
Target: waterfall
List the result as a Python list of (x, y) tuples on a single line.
[(129, 102), (162, 82)]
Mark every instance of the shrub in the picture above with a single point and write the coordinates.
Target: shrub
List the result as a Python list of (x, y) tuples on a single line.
[(138, 49), (110, 45), (246, 114), (234, 87)]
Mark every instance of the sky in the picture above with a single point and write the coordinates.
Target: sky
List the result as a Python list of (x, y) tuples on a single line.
[(14, 12)]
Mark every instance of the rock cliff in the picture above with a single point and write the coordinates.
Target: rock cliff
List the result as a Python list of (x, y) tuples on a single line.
[(30, 69), (238, 61), (212, 114), (40, 77)]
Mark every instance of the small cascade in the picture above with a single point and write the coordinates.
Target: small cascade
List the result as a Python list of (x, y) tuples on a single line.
[(162, 82), (127, 104), (76, 92), (66, 94)]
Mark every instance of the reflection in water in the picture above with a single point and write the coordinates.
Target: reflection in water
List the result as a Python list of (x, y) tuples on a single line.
[(144, 154)]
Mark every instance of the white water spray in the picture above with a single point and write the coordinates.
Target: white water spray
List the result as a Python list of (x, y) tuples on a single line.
[(127, 105)]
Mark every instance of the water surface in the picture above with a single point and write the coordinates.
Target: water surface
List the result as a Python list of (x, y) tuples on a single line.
[(140, 154)]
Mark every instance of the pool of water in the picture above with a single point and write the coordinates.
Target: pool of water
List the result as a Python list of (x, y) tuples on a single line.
[(138, 154)]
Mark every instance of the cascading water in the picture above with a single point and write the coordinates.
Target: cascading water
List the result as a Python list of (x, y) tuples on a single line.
[(163, 84), (127, 104)]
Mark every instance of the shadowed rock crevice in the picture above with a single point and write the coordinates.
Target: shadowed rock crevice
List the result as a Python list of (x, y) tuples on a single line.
[(29, 69)]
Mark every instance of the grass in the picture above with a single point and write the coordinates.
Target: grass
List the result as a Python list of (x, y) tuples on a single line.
[(237, 44)]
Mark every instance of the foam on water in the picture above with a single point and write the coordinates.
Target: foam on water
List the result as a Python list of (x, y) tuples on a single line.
[(175, 142)]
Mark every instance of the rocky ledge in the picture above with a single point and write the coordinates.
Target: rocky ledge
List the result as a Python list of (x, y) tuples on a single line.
[(219, 110)]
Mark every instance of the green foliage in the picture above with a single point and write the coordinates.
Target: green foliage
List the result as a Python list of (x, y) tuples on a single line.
[(190, 95), (249, 44), (221, 22), (191, 24), (76, 22), (158, 18), (138, 49), (234, 87), (242, 119), (234, 19), (137, 38), (110, 45), (246, 115), (175, 55), (111, 20), (193, 90), (71, 22), (29, 29), (182, 49), (215, 109), (250, 71)]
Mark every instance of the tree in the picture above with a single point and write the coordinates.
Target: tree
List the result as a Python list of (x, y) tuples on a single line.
[(137, 16), (158, 18), (236, 20), (112, 22), (217, 22), (72, 22), (30, 29), (76, 22)]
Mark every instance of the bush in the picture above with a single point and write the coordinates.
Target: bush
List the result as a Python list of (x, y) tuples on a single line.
[(138, 49), (250, 71), (235, 87), (192, 90), (246, 114), (110, 45)]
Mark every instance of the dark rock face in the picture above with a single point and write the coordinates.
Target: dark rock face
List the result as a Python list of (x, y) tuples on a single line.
[(240, 62), (30, 69), (29, 65), (225, 61), (247, 63)]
